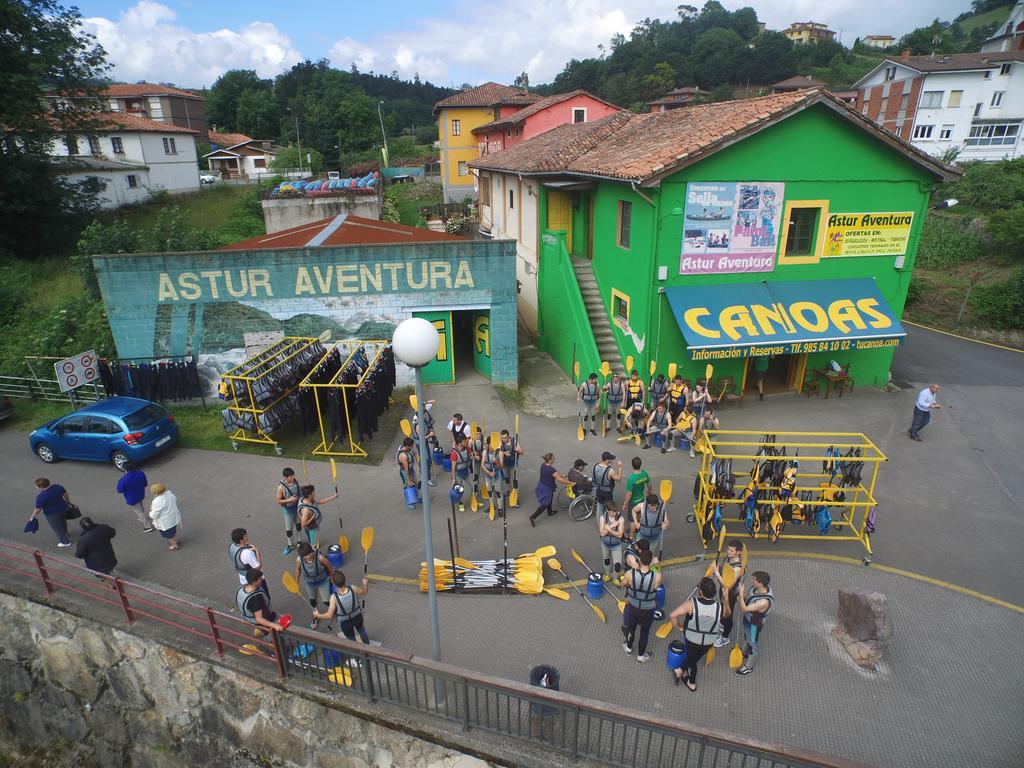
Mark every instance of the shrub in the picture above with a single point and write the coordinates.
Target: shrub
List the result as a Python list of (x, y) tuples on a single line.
[(990, 186), (389, 211), (1007, 230), (914, 290), (459, 224), (946, 242), (1001, 304)]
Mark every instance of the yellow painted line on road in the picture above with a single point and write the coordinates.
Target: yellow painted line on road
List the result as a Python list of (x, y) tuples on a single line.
[(393, 579), (965, 338), (768, 553)]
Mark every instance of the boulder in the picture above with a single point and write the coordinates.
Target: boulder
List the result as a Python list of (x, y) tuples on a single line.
[(864, 626)]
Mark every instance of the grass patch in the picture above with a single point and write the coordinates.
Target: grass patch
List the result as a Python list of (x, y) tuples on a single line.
[(996, 16), (207, 208), (512, 399), (203, 429)]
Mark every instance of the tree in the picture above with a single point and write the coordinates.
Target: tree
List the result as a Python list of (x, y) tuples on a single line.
[(288, 159), (224, 95), (44, 53), (659, 82), (718, 57), (522, 80), (772, 58), (257, 114)]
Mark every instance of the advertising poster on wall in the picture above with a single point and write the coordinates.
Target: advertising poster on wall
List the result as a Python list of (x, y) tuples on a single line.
[(868, 234), (730, 227)]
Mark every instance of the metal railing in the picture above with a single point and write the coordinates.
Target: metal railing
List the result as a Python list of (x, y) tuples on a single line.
[(45, 389), (549, 720)]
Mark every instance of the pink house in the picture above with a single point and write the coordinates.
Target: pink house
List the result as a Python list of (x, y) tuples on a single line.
[(516, 126)]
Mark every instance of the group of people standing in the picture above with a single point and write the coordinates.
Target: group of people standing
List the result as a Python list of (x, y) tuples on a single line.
[(666, 411)]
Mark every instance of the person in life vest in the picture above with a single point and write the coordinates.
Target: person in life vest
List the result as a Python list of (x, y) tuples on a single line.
[(605, 476), (659, 423), (636, 418), (511, 449), (631, 556), (701, 400), (288, 501), (685, 427), (611, 527), (429, 437), (313, 571), (462, 462), (244, 556), (755, 606), (734, 560), (407, 461), (476, 445), (641, 587), (589, 394), (658, 391), (615, 394), (253, 603), (310, 514), (634, 389), (650, 521), (345, 605), (678, 396), (458, 426), (490, 465), (698, 619)]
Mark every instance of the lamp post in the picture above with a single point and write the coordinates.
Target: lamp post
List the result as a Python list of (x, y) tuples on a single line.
[(387, 156), (298, 139), (416, 342)]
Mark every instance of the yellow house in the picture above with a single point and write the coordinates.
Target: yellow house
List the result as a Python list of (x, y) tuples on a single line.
[(803, 32), (457, 116)]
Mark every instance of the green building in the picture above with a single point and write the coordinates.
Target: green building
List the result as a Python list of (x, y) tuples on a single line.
[(784, 226)]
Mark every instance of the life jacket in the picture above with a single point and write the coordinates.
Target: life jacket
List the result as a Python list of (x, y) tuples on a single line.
[(758, 619), (508, 452), (461, 458), (314, 572), (348, 605), (290, 491), (235, 551), (591, 391), (478, 446), (317, 515), (650, 529), (640, 591), (701, 626), (633, 389), (658, 388), (605, 484), (411, 458), (678, 393), (462, 430), (616, 393), (685, 421), (243, 600), (738, 569), (490, 458), (609, 540), (660, 420)]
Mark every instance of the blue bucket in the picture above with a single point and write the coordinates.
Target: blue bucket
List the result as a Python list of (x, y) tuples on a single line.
[(657, 440), (438, 456), (676, 655), (412, 496), (335, 556), (446, 463), (332, 658), (595, 588), (659, 597)]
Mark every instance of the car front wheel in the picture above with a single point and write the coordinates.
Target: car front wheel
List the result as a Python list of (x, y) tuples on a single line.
[(120, 459), (45, 452)]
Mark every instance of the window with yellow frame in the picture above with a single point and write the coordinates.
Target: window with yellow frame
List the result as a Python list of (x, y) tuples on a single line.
[(803, 231), (620, 307)]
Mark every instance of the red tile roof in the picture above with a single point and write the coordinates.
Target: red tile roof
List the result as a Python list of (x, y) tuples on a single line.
[(228, 139), (123, 121), (518, 118), (487, 95), (645, 148), (354, 230), (148, 89)]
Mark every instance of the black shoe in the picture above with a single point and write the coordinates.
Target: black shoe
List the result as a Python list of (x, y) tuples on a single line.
[(760, 395), (552, 513), (593, 432), (532, 523), (645, 446)]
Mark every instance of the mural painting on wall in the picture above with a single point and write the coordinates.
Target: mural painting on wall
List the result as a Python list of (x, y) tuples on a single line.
[(730, 227)]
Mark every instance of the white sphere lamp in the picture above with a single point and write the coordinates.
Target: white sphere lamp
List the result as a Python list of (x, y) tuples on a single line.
[(416, 342)]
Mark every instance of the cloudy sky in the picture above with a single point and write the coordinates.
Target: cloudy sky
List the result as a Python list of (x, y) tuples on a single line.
[(191, 43)]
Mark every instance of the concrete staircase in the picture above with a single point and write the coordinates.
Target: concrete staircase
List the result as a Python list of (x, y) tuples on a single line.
[(599, 323)]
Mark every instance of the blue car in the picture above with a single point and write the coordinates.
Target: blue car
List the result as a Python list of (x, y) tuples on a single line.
[(118, 430)]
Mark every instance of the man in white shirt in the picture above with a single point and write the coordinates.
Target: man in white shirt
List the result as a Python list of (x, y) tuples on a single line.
[(926, 403)]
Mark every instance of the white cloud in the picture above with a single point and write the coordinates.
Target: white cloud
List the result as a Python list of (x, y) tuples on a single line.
[(145, 44), (478, 42)]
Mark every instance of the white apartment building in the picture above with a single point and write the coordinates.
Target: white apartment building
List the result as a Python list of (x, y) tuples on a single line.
[(1010, 35), (133, 155), (973, 102)]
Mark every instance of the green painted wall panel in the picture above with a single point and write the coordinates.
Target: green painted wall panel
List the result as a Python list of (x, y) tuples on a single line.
[(482, 342)]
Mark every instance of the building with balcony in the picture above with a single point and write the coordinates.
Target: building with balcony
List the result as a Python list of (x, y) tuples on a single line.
[(162, 104), (801, 32)]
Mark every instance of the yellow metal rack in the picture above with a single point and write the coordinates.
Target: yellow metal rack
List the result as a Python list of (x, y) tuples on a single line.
[(247, 381), (851, 516), (347, 348)]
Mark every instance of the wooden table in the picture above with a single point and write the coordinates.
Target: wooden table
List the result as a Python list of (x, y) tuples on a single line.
[(832, 378)]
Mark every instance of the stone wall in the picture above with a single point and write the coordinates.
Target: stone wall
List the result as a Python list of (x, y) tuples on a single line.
[(78, 693), (285, 213)]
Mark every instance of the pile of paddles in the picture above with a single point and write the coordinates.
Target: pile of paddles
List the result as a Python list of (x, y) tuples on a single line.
[(523, 574)]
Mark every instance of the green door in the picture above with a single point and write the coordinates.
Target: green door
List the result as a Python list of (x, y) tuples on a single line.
[(441, 370), (482, 342)]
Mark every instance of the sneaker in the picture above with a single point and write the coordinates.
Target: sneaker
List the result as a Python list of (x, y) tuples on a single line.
[(645, 446), (664, 449), (670, 449), (287, 548), (744, 670), (462, 507), (431, 483), (60, 544), (593, 432), (627, 648), (721, 642), (643, 659), (692, 454), (147, 530)]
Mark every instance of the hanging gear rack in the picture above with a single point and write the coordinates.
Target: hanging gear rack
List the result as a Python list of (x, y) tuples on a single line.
[(261, 391), (361, 365), (770, 486)]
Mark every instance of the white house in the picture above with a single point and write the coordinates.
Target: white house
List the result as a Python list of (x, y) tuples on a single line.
[(1009, 36), (973, 102), (248, 159), (133, 155)]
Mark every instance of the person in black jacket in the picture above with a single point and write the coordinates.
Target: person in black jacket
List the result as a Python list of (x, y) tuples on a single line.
[(94, 546)]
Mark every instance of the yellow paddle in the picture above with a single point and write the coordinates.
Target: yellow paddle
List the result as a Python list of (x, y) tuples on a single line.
[(493, 442), (672, 371), (654, 367), (366, 539), (289, 582), (561, 594), (665, 490), (579, 414), (340, 676), (736, 654), (709, 371), (305, 471), (721, 543), (513, 495), (629, 364), (414, 402), (710, 656), (334, 477), (554, 564), (620, 604), (606, 369), (406, 427), (664, 630), (343, 544)]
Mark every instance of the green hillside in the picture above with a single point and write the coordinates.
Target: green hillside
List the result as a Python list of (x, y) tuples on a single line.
[(995, 16)]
